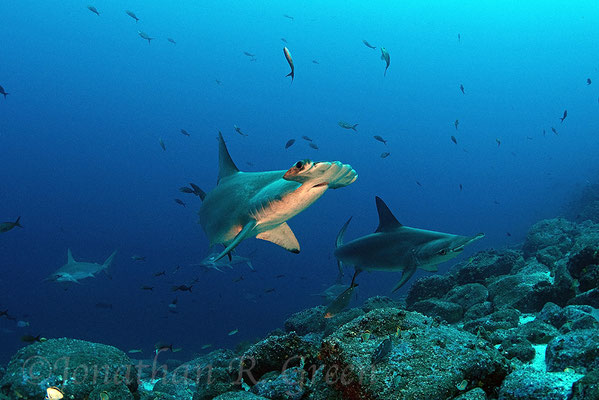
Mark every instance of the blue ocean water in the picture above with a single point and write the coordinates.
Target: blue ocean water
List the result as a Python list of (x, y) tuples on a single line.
[(89, 101)]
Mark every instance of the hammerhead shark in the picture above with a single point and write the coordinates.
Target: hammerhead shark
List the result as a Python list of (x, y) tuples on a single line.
[(257, 204), (394, 247), (74, 271)]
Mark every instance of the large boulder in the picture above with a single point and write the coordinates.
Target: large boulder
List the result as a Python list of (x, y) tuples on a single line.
[(75, 366), (444, 310), (307, 321), (531, 384), (427, 287), (467, 295), (576, 349), (486, 264), (556, 234)]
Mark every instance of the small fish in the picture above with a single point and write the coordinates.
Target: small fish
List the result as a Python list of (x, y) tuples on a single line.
[(173, 304), (177, 349), (368, 44), (453, 139), (564, 117), (160, 273), (462, 88), (385, 57), (462, 385), (31, 338), (197, 191), (54, 393), (498, 142), (346, 125), (280, 276), (382, 351), (22, 324), (341, 302), (380, 139), (589, 81), (456, 123), (283, 40), (508, 234), (132, 15), (182, 288), (233, 332), (184, 132), (106, 306), (290, 61), (365, 335), (93, 9), (269, 290), (104, 395), (160, 346), (135, 351), (218, 82), (149, 288), (529, 137), (543, 132), (145, 36), (179, 201), (315, 62), (138, 258), (306, 138), (461, 187), (171, 40), (385, 154), (247, 53), (3, 92), (289, 143), (185, 189), (418, 183), (288, 16), (162, 144), (313, 145), (238, 130), (459, 38), (238, 279), (554, 130), (206, 346), (7, 226), (5, 314)]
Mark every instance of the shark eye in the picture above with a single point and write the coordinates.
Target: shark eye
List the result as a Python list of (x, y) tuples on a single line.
[(442, 252), (299, 165)]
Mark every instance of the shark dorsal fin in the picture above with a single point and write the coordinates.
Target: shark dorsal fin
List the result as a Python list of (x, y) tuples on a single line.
[(70, 259), (226, 166), (387, 221)]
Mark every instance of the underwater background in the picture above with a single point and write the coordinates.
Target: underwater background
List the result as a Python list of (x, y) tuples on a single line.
[(89, 101)]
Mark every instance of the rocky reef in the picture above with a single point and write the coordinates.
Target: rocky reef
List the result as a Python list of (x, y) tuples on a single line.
[(512, 324)]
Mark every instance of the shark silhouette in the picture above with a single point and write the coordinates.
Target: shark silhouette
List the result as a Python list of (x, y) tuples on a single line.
[(394, 247), (74, 271), (257, 204)]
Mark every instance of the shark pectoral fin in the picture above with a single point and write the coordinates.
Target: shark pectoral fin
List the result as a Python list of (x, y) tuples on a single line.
[(283, 236), (429, 268), (407, 274), (240, 236)]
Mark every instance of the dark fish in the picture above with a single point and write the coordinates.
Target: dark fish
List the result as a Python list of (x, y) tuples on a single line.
[(462, 88), (565, 115), (283, 40), (3, 92), (150, 288), (249, 54), (288, 16), (162, 144), (456, 123), (31, 339), (145, 36), (280, 276), (453, 139), (269, 290), (508, 234), (554, 130), (179, 201), (197, 191), (289, 143), (385, 57), (461, 187), (498, 142), (543, 132), (185, 189), (459, 38), (183, 131), (290, 61), (132, 15), (418, 183), (138, 258), (313, 145), (380, 139), (93, 9), (161, 273), (385, 154), (4, 313), (171, 40), (238, 130), (529, 137), (382, 351), (346, 125), (161, 346), (182, 288), (306, 138), (106, 306), (218, 82), (368, 44), (315, 62), (7, 226), (238, 279), (589, 81), (340, 303)]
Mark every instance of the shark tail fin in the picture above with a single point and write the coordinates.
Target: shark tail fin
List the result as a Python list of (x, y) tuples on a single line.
[(354, 127), (108, 261), (226, 166), (18, 222), (292, 75), (339, 243), (5, 94)]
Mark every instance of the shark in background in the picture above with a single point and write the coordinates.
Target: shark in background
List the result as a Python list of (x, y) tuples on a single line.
[(234, 259), (258, 204), (394, 247), (74, 271)]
